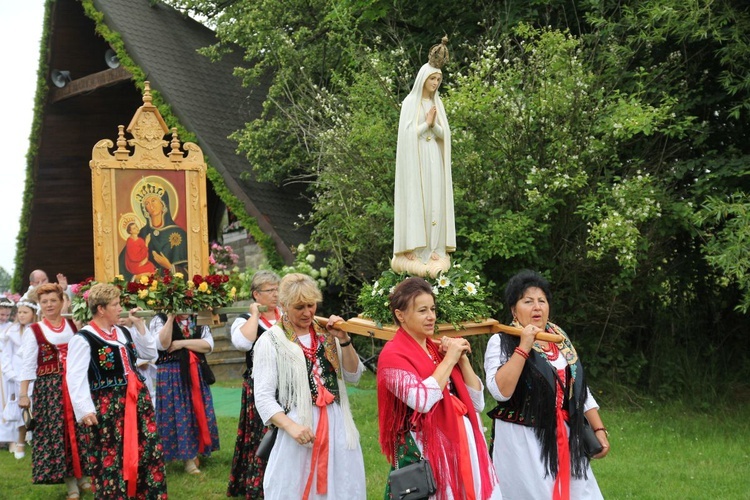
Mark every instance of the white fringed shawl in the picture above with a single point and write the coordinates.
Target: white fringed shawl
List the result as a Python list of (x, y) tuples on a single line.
[(292, 383)]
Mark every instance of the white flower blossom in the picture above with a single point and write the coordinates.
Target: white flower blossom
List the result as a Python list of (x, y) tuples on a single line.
[(470, 288), (310, 258), (443, 281)]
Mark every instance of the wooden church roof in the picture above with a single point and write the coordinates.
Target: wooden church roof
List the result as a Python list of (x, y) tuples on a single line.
[(156, 43)]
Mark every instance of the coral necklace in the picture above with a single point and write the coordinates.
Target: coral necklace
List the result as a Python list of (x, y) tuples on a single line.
[(111, 335), (56, 329), (551, 351), (432, 353), (310, 351)]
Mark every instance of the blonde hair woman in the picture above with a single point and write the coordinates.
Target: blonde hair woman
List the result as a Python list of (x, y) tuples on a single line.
[(110, 398), (300, 369)]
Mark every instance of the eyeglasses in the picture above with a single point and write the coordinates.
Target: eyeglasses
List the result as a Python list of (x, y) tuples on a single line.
[(270, 290)]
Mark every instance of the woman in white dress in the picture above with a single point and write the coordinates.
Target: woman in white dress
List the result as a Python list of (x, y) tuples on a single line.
[(8, 404), (300, 368), (26, 314), (423, 221), (543, 403)]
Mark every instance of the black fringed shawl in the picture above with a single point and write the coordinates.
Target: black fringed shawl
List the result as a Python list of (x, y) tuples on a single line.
[(533, 402)]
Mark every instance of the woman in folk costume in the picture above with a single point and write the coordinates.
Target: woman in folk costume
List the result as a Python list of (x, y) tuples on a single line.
[(184, 404), (57, 454), (300, 368), (428, 399), (110, 398), (246, 475), (424, 224), (543, 403), (12, 361)]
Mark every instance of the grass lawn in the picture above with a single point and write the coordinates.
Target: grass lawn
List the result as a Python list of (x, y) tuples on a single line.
[(659, 452)]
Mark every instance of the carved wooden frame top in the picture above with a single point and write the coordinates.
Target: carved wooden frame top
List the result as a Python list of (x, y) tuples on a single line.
[(146, 152)]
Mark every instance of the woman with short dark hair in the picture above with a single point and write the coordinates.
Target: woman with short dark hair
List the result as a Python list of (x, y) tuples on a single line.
[(543, 402)]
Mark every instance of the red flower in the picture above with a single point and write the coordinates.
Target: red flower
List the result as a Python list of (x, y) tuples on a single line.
[(134, 287), (151, 427), (158, 476), (198, 279), (108, 461)]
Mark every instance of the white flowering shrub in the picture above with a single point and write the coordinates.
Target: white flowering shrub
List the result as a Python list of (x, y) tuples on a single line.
[(460, 296)]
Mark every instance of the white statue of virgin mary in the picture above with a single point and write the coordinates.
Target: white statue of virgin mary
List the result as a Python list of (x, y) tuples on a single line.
[(424, 224)]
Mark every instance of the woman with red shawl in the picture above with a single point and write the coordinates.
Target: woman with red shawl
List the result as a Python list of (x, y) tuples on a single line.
[(428, 399)]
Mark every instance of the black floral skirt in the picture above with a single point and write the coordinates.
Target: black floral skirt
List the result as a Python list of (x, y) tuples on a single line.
[(51, 456), (246, 476), (106, 444)]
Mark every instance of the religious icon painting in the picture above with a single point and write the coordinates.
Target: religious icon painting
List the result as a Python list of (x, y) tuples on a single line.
[(149, 201)]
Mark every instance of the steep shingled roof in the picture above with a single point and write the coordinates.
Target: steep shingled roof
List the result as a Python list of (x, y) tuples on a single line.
[(209, 101), (157, 43)]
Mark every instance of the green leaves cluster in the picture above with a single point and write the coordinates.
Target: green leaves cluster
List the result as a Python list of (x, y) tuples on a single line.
[(603, 146)]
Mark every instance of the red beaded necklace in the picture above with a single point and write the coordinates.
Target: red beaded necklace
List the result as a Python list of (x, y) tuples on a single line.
[(110, 336), (432, 353), (56, 329), (551, 351), (310, 351)]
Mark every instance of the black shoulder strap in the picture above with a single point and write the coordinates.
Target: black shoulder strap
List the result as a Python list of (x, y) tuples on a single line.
[(244, 316), (126, 332)]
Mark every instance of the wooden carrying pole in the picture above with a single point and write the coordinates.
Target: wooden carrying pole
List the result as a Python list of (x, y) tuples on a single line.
[(368, 328)]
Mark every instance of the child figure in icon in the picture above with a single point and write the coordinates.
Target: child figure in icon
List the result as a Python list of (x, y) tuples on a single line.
[(136, 253)]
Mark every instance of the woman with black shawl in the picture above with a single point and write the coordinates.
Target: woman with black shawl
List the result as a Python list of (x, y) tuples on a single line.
[(543, 403)]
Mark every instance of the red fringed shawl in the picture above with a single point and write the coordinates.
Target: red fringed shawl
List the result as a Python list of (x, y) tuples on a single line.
[(439, 427)]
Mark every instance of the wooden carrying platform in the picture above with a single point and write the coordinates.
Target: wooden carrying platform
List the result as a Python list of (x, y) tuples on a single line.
[(368, 328)]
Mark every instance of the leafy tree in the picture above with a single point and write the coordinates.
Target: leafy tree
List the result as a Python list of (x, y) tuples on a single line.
[(602, 143), (5, 280)]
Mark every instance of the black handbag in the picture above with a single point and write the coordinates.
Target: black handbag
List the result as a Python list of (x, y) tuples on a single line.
[(208, 374), (28, 420), (412, 482), (589, 441), (266, 443)]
